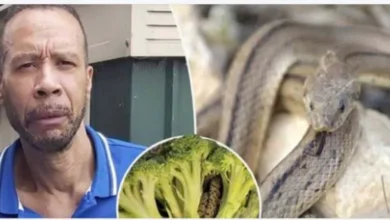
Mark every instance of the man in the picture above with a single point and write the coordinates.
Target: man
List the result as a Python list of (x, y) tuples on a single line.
[(59, 167)]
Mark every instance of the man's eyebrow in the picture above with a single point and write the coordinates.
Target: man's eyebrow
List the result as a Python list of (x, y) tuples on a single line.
[(67, 54), (24, 55), (36, 55)]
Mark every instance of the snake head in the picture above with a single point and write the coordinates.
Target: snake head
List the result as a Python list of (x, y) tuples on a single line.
[(330, 95)]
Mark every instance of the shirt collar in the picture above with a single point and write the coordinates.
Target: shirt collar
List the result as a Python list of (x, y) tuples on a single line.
[(105, 180), (104, 183)]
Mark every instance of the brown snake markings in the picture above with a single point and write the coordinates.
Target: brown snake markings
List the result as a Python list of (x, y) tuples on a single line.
[(252, 89), (210, 200), (292, 188), (308, 42), (242, 106)]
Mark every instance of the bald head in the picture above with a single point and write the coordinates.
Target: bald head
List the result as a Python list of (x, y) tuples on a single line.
[(17, 14)]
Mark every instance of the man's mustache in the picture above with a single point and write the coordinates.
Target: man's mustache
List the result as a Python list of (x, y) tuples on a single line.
[(47, 111)]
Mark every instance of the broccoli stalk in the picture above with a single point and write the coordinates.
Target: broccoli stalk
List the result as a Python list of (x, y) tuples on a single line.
[(250, 209), (167, 194), (185, 166), (123, 214), (138, 191), (237, 181), (189, 177)]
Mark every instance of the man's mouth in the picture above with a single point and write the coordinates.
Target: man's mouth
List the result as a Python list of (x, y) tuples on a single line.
[(48, 115), (50, 121), (46, 118)]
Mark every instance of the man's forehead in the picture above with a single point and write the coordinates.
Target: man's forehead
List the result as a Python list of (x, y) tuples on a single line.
[(36, 23), (44, 42), (55, 30)]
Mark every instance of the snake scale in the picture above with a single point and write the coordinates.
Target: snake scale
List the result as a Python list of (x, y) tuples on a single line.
[(254, 81)]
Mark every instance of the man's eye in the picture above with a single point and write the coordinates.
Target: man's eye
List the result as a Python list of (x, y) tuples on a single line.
[(26, 66), (65, 63)]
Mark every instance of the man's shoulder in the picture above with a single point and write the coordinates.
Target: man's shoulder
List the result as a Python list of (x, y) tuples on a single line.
[(124, 149), (120, 145), (124, 154)]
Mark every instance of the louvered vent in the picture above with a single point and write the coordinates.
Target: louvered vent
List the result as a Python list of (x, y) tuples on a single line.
[(154, 32)]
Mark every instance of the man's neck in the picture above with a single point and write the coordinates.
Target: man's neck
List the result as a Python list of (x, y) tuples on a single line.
[(70, 171)]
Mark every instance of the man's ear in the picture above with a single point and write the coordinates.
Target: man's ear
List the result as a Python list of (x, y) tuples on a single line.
[(1, 89), (90, 73)]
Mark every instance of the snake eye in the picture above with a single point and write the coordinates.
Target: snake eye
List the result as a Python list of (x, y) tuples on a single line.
[(342, 107), (311, 106)]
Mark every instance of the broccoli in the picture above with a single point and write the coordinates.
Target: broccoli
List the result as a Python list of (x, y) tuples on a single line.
[(237, 181), (250, 208), (185, 164), (188, 177), (137, 197)]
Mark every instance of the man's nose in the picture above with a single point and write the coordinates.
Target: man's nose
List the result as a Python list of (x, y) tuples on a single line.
[(47, 84)]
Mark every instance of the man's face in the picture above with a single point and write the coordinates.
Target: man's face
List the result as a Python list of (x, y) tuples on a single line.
[(45, 83)]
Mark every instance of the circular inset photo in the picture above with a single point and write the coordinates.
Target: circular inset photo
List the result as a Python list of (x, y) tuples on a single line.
[(189, 177)]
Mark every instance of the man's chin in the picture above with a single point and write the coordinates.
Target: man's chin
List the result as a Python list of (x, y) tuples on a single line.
[(50, 144), (52, 133), (50, 140)]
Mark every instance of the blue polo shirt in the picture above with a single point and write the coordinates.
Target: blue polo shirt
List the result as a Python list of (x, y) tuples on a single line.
[(113, 157)]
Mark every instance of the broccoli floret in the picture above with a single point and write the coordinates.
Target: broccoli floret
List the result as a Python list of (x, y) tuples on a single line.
[(184, 166), (137, 197), (171, 181), (237, 181), (174, 178)]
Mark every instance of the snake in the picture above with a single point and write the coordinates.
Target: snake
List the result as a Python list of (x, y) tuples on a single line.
[(211, 198), (317, 43), (254, 80), (296, 183), (330, 98), (271, 51)]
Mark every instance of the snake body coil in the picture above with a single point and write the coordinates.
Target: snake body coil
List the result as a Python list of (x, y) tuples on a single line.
[(253, 83), (295, 184), (259, 68)]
